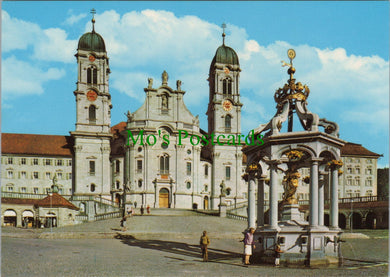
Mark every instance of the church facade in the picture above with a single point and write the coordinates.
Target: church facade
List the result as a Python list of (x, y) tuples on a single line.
[(159, 156)]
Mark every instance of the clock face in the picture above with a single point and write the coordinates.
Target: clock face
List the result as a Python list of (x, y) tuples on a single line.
[(227, 105), (226, 70), (91, 95), (91, 58), (291, 53)]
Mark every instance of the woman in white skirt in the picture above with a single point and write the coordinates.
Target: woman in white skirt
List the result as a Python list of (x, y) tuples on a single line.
[(248, 244)]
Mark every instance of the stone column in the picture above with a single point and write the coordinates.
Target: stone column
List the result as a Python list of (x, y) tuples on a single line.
[(314, 194), (321, 202), (334, 199), (251, 201), (260, 200), (273, 197)]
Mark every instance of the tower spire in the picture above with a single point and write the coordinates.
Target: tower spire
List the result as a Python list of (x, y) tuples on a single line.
[(223, 33), (93, 11)]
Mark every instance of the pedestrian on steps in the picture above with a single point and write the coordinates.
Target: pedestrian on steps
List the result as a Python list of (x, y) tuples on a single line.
[(204, 242)]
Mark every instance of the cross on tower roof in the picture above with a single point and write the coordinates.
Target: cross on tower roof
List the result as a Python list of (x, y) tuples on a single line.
[(223, 34), (93, 11)]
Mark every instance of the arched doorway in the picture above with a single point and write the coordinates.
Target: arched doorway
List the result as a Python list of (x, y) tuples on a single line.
[(356, 221), (206, 203), (50, 220), (10, 218), (27, 219), (371, 220), (342, 221), (117, 198), (163, 198)]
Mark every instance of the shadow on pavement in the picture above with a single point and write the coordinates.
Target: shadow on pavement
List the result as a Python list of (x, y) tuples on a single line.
[(180, 248)]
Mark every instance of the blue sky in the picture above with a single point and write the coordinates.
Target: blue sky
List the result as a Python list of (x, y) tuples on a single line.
[(342, 55)]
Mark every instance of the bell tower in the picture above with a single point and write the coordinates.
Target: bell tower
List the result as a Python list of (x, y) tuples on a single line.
[(224, 122), (93, 117)]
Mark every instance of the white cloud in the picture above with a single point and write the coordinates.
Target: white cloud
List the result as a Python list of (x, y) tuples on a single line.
[(54, 46), (21, 78), (73, 19), (17, 34), (48, 44)]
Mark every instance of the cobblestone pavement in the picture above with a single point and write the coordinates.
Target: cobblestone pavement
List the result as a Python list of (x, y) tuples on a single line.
[(172, 253)]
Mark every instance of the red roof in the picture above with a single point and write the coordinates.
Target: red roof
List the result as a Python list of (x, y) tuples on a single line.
[(19, 201), (55, 200), (28, 144), (354, 149), (121, 126)]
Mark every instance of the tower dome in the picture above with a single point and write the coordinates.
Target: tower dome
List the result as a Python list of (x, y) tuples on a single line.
[(92, 41), (226, 55)]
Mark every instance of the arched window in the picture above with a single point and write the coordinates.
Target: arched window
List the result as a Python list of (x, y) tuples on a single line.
[(164, 164), (140, 183), (227, 87), (93, 187), (228, 123), (92, 75), (92, 114)]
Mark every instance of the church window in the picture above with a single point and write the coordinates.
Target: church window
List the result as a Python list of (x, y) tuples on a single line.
[(92, 168), (10, 174), (117, 185), (206, 170), (92, 76), (92, 114), (117, 166), (164, 145), (357, 181), (188, 151), (206, 187), (164, 164), (188, 185), (93, 187), (227, 171), (139, 166), (228, 123), (139, 149), (188, 168), (227, 87), (140, 183)]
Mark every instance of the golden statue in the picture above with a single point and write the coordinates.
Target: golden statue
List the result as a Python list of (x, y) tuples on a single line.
[(290, 185)]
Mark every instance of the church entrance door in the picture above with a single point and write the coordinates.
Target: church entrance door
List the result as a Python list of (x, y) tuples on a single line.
[(206, 203), (163, 198)]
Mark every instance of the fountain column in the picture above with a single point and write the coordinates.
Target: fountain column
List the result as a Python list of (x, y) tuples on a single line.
[(260, 200), (314, 194), (334, 199), (273, 199)]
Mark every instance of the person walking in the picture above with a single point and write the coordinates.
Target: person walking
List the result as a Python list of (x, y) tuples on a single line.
[(123, 224), (142, 210), (277, 254), (204, 242), (248, 244)]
